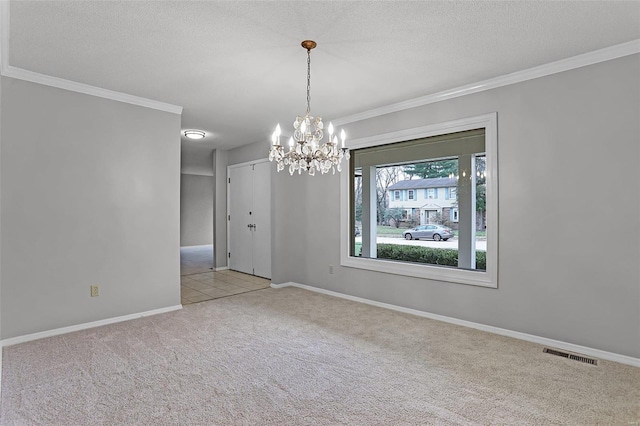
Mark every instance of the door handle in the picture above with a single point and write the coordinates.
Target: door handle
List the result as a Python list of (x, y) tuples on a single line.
[(251, 225)]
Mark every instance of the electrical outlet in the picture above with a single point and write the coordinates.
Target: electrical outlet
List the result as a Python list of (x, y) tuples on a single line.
[(331, 269), (94, 291)]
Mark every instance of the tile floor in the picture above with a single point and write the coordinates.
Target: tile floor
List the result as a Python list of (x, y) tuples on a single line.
[(212, 285)]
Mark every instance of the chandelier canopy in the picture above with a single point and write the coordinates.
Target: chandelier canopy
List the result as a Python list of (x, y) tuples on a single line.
[(306, 150)]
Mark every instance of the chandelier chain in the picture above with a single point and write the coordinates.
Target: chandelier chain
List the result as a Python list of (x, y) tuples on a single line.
[(308, 81)]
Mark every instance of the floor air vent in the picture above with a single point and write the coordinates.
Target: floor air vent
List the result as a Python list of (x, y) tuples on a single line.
[(580, 358)]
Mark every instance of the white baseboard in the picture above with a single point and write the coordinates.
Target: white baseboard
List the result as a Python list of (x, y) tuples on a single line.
[(596, 353), (222, 268), (55, 332)]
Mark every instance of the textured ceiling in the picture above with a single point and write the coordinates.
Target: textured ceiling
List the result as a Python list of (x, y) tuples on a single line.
[(237, 67)]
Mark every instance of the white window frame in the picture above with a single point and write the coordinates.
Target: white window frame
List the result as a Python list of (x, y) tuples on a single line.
[(411, 195), (396, 195), (431, 193), (488, 278)]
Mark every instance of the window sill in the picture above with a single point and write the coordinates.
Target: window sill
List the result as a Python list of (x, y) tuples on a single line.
[(436, 273)]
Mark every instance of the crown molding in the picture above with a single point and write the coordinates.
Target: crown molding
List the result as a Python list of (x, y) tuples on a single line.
[(590, 58), (47, 80), (61, 83)]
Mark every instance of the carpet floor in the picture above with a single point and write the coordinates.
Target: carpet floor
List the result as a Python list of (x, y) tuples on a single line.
[(294, 357)]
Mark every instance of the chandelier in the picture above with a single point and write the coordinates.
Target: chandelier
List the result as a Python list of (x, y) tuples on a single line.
[(306, 149)]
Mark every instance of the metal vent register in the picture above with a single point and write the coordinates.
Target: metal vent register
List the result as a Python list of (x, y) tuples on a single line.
[(580, 358)]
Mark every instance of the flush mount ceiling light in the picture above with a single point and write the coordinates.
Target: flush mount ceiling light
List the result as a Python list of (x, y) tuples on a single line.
[(306, 150), (194, 134)]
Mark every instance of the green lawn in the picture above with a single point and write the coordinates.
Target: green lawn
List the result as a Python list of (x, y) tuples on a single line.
[(478, 233), (389, 230)]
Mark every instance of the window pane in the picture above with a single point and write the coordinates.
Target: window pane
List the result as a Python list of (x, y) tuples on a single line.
[(440, 230)]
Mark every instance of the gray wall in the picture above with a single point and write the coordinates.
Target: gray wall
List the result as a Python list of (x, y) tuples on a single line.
[(196, 210), (1, 81), (197, 160), (90, 195), (220, 208), (251, 152), (568, 260)]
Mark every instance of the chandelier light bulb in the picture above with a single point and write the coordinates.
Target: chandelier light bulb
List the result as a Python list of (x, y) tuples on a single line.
[(330, 129), (291, 142)]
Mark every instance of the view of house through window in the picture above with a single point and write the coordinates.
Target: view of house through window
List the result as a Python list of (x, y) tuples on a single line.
[(427, 206)]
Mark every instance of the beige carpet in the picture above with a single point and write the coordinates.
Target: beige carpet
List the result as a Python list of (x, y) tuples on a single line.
[(294, 357)]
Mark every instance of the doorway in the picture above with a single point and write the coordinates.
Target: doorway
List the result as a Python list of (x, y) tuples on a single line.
[(196, 223), (249, 218), (199, 281)]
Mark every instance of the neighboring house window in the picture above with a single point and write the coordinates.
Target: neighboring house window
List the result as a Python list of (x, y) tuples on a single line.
[(469, 145), (396, 195), (453, 193)]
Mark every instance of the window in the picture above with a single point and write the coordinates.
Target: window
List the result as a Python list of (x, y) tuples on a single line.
[(467, 147), (396, 195)]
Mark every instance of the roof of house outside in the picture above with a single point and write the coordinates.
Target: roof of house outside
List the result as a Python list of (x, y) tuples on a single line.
[(441, 182)]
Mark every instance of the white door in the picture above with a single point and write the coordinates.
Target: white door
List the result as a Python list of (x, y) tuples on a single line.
[(240, 205), (262, 219), (250, 218)]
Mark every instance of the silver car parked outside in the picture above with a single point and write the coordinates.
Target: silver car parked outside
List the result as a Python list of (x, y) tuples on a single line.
[(435, 232)]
